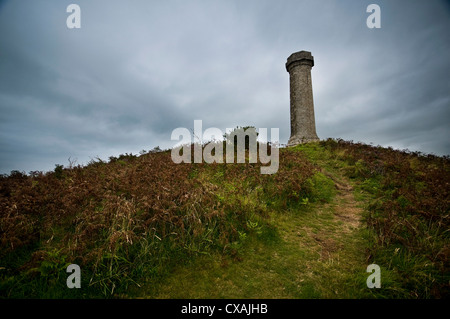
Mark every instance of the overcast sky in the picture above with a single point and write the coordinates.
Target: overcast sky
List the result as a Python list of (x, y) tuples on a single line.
[(136, 70)]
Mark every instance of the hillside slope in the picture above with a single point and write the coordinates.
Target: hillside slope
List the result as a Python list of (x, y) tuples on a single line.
[(146, 227)]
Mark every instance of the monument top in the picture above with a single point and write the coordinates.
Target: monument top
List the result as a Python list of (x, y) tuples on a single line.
[(301, 57)]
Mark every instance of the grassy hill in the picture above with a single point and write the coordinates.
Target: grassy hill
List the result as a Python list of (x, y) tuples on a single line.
[(144, 227)]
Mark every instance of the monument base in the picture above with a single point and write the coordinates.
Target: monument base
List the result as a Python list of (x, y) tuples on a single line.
[(296, 140)]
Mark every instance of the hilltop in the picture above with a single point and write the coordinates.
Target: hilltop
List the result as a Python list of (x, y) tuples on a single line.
[(143, 226)]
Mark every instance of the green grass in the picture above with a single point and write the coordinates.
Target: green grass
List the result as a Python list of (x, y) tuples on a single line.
[(299, 252), (301, 255), (144, 228), (405, 200)]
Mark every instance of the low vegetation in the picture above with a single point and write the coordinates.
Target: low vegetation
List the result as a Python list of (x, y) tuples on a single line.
[(131, 221), (407, 212)]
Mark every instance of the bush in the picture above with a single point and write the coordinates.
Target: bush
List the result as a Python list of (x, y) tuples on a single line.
[(58, 171)]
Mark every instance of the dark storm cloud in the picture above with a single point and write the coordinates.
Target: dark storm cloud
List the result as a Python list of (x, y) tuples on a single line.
[(137, 70)]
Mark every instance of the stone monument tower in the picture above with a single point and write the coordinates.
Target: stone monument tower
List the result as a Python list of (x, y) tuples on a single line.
[(303, 126)]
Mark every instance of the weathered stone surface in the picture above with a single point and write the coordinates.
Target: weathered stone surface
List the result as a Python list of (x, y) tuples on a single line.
[(303, 126)]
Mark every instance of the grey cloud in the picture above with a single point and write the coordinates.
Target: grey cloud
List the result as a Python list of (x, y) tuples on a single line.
[(137, 70)]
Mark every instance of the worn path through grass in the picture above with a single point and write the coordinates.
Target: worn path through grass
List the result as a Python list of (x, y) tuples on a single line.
[(319, 252)]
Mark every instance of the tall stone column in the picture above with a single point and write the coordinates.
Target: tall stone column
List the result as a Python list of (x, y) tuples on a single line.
[(303, 125)]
